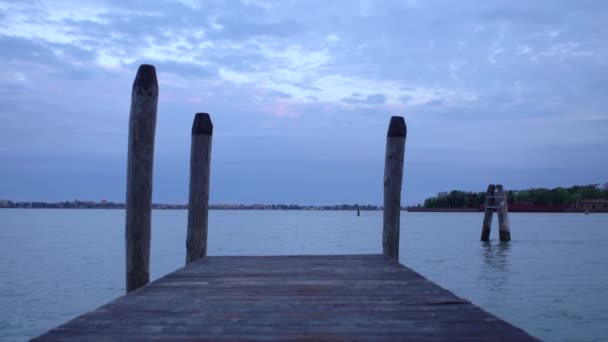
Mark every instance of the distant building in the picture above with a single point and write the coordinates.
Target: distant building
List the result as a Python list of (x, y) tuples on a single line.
[(592, 205), (4, 203)]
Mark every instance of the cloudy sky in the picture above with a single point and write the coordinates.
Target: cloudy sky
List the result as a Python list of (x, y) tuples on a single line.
[(301, 92)]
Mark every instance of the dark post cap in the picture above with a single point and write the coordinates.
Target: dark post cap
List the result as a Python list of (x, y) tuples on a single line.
[(202, 124), (146, 78), (396, 128)]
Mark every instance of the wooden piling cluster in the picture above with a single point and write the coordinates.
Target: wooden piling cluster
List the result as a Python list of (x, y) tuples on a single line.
[(142, 127), (496, 199)]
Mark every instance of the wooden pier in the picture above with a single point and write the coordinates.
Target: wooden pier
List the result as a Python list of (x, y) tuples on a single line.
[(269, 298), (296, 298)]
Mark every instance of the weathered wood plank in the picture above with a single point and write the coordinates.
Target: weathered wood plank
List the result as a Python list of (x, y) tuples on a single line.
[(289, 298)]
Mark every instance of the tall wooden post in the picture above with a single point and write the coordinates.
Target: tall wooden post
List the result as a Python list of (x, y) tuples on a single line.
[(393, 177), (142, 127), (504, 231), (489, 212), (357, 207), (198, 204)]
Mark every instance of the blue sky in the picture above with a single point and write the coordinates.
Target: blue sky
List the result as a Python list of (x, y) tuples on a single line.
[(300, 94)]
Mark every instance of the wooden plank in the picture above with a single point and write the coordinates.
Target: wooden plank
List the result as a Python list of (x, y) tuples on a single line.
[(369, 297)]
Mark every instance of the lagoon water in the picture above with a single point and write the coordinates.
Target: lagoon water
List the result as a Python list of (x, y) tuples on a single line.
[(551, 280)]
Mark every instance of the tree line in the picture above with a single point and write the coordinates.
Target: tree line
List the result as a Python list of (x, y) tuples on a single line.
[(537, 196)]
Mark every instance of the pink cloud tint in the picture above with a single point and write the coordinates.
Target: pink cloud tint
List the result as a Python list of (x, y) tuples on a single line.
[(284, 110)]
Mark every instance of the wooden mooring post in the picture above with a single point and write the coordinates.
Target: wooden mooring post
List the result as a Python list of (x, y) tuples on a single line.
[(489, 212), (496, 199), (504, 231), (140, 164), (198, 203), (393, 177), (357, 207)]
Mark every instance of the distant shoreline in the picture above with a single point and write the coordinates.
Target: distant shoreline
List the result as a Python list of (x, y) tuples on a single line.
[(513, 208), (76, 204), (227, 209), (413, 210), (6, 204)]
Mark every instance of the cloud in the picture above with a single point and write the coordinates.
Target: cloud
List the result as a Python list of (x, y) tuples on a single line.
[(468, 67), (241, 27), (435, 103), (186, 70), (305, 86), (277, 94), (372, 99), (23, 56), (283, 109), (405, 98)]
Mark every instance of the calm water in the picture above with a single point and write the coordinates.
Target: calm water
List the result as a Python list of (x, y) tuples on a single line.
[(551, 280)]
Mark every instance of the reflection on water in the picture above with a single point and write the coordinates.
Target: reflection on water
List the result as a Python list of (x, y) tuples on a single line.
[(495, 255), (551, 279), (494, 271)]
